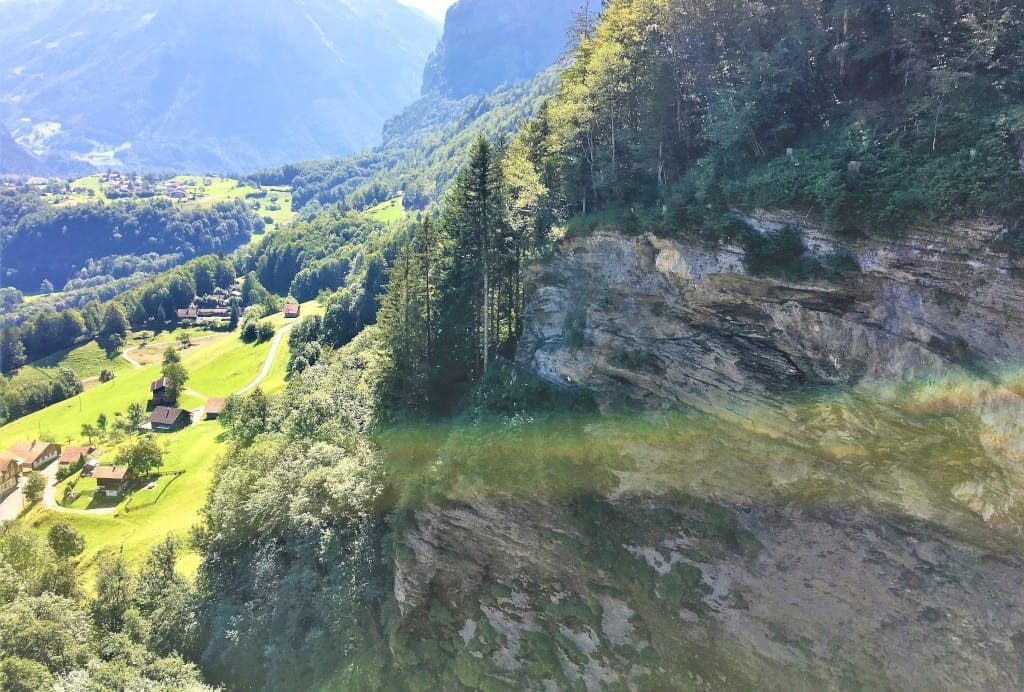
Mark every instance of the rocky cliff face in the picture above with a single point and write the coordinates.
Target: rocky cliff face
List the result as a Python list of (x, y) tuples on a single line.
[(816, 484), (487, 44)]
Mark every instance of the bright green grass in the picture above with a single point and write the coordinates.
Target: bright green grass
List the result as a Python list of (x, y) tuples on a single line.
[(87, 361), (310, 307), (226, 367), (386, 212), (62, 422), (276, 378), (219, 190), (226, 189), (218, 367), (194, 450)]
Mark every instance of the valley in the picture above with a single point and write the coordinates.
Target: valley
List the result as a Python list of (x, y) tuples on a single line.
[(218, 366), (657, 345)]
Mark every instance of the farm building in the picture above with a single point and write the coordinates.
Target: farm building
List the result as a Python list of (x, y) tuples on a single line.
[(36, 454), (168, 419), (72, 454), (10, 472), (291, 310), (214, 406), (160, 394), (110, 480)]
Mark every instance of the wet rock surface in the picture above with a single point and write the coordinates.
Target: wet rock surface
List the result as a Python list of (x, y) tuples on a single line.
[(809, 503)]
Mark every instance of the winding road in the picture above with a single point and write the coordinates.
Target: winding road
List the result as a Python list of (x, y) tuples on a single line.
[(50, 492), (269, 363)]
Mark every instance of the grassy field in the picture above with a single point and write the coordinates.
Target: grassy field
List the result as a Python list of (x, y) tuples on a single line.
[(392, 210), (219, 190), (87, 361), (219, 364), (172, 507)]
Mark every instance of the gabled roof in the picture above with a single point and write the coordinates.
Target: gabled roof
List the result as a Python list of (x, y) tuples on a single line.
[(158, 385), (215, 405), (7, 455), (30, 451), (72, 453), (7, 459), (110, 473), (165, 415), (291, 309)]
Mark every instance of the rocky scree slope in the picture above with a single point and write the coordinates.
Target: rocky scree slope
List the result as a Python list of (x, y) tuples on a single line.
[(814, 484)]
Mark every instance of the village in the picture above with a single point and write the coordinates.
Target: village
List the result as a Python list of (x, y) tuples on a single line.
[(87, 477)]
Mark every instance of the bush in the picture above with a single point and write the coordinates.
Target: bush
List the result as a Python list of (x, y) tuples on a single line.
[(34, 487), (265, 331)]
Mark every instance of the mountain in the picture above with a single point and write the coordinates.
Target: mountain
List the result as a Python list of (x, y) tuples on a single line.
[(487, 44), (14, 158), (202, 86)]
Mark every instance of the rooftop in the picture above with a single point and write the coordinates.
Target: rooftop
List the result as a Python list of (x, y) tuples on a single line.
[(215, 405), (110, 473), (165, 415), (73, 453), (29, 451)]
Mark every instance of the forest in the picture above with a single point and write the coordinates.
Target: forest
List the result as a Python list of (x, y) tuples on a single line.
[(124, 237), (673, 114)]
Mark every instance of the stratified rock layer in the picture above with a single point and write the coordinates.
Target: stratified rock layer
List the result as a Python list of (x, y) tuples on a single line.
[(824, 485)]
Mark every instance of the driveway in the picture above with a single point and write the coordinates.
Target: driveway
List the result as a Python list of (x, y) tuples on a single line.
[(50, 496), (10, 506)]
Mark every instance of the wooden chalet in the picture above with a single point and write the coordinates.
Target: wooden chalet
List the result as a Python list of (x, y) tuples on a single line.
[(36, 454), (160, 394), (111, 480), (168, 419), (214, 407)]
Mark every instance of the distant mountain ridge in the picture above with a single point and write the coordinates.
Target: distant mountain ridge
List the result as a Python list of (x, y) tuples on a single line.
[(207, 86), (487, 44), (14, 158)]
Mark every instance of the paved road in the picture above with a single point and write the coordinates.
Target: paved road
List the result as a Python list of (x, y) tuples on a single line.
[(274, 346), (10, 506), (50, 496)]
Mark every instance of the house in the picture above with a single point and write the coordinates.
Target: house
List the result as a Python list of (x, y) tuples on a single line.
[(187, 313), (168, 419), (110, 480), (291, 311), (10, 472), (214, 406), (214, 312), (36, 454), (72, 454), (160, 392)]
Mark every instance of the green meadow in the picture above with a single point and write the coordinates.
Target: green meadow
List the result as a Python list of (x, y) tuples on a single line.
[(386, 212), (171, 507), (219, 190), (218, 364)]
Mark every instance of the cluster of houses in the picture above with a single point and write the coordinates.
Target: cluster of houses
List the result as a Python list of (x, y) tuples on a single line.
[(215, 307), (24, 457), (179, 191), (122, 185), (166, 417)]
